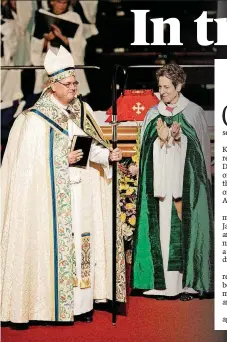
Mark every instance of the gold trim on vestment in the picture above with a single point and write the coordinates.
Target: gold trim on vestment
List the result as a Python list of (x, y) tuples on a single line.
[(75, 278), (50, 209), (85, 261)]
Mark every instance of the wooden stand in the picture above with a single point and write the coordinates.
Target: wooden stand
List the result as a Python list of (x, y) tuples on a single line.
[(126, 136)]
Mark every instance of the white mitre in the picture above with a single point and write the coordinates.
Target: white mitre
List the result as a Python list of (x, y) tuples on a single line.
[(59, 66)]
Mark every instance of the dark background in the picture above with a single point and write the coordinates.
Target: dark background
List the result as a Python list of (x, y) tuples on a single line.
[(115, 23)]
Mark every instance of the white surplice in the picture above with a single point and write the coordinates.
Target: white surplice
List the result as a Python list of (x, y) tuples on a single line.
[(10, 79), (16, 45)]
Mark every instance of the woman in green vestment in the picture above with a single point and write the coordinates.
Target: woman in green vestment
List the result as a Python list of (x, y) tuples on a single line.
[(173, 246)]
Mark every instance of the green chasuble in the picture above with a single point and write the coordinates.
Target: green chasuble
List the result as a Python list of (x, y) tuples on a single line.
[(191, 240)]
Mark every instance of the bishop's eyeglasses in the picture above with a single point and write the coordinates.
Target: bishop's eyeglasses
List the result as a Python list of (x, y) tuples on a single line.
[(67, 85)]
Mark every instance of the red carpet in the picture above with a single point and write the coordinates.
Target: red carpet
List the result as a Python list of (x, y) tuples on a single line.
[(148, 320)]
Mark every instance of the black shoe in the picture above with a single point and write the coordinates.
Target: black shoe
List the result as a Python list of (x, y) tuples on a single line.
[(206, 295), (185, 297), (156, 297), (160, 297), (19, 326), (88, 317)]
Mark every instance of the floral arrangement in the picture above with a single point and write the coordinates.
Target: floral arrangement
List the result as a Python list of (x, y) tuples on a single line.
[(128, 183)]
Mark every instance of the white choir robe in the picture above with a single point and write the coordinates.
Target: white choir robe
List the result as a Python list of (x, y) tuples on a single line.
[(10, 79), (90, 11), (16, 45), (22, 19)]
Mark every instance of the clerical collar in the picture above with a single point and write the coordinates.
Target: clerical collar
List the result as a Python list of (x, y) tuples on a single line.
[(169, 108), (175, 109)]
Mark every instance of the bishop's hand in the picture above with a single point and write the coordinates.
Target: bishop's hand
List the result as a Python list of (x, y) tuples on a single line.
[(115, 155), (75, 156)]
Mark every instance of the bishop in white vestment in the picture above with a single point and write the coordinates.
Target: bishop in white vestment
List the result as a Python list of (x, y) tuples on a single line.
[(50, 228)]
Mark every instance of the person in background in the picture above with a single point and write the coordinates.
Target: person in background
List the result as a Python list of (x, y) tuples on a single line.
[(87, 10), (15, 40)]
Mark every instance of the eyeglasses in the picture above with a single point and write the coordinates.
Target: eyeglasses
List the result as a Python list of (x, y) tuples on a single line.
[(67, 85)]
